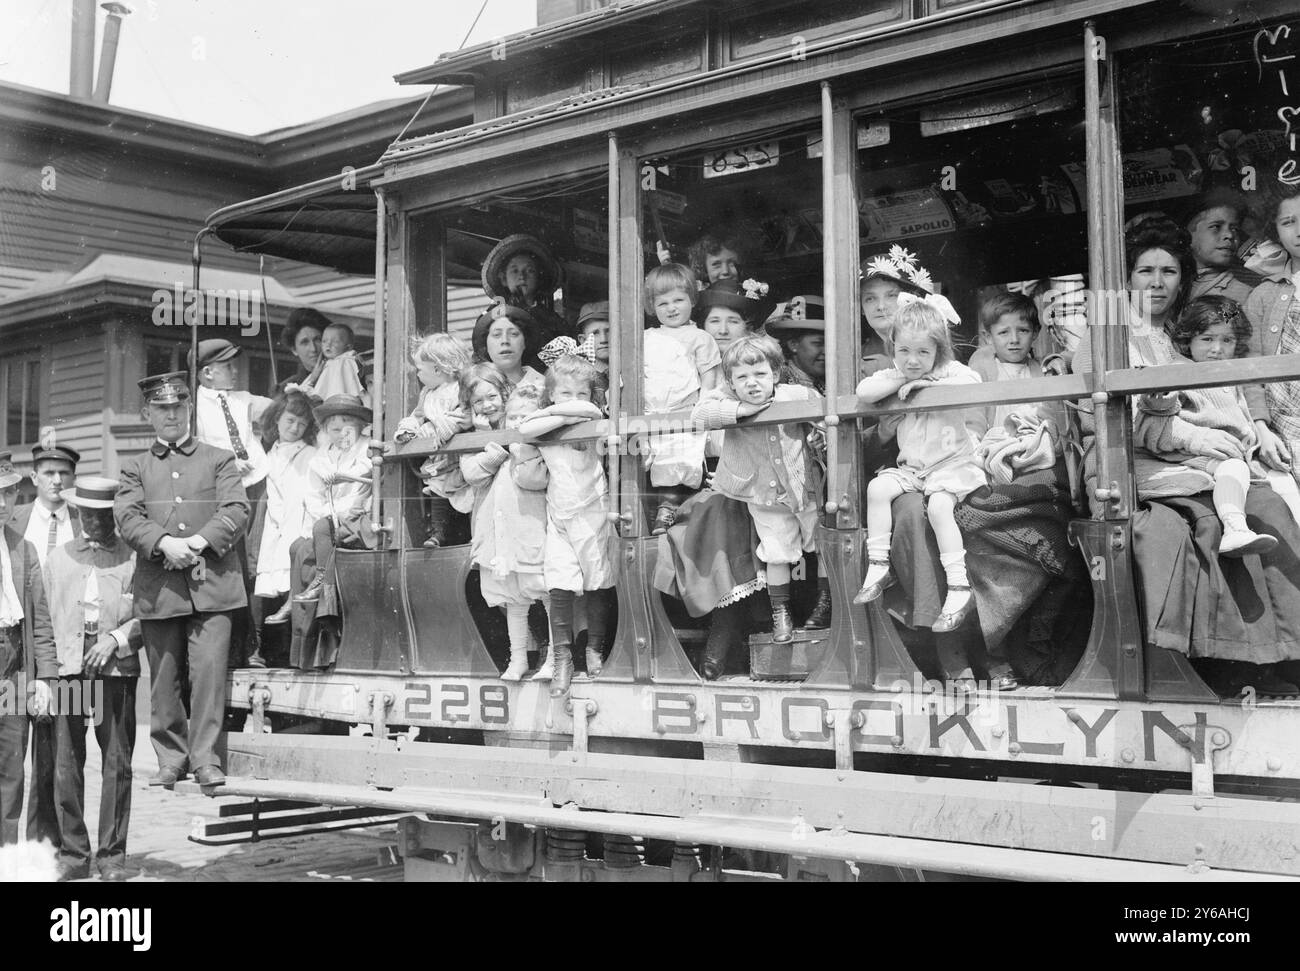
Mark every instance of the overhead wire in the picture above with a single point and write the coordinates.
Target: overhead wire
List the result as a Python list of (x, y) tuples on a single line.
[(437, 87)]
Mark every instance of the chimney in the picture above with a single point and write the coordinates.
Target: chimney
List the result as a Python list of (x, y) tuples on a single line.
[(108, 54), (83, 48)]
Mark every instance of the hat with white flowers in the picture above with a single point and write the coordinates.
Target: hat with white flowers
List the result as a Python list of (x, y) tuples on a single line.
[(749, 299), (901, 266)]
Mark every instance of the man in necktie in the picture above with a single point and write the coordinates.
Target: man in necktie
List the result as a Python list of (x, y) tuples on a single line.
[(27, 656), (224, 418), (98, 640), (47, 523), (182, 509)]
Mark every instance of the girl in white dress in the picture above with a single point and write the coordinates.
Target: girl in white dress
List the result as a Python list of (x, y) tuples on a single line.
[(286, 493)]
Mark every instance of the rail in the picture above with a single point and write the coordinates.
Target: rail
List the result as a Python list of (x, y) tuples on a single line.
[(1128, 381)]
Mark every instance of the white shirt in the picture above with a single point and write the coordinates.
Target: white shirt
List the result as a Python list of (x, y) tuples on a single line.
[(38, 529), (245, 408)]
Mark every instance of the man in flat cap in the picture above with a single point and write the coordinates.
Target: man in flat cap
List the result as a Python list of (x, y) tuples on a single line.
[(224, 418), (27, 655), (47, 524), (97, 637), (182, 508)]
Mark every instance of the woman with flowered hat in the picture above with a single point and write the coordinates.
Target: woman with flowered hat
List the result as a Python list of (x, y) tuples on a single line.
[(729, 309), (884, 279), (521, 272)]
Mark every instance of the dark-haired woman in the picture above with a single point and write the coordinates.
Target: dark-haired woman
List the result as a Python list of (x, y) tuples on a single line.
[(301, 337), (1238, 617)]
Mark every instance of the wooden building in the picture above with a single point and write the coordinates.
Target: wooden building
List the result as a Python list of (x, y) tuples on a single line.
[(99, 207)]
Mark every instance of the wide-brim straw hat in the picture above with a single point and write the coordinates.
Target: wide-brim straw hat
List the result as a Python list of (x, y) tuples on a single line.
[(796, 315), (91, 492), (342, 404), (550, 274)]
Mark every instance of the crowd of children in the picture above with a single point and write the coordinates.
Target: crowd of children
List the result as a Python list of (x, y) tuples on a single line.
[(716, 347)]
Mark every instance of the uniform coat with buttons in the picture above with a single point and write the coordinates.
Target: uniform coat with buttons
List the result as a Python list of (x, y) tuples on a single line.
[(187, 490), (193, 492)]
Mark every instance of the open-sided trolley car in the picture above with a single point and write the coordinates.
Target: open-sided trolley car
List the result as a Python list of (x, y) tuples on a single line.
[(1002, 141)]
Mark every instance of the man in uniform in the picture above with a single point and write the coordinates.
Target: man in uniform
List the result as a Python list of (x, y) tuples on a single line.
[(26, 652), (98, 639), (224, 419), (47, 524), (182, 508)]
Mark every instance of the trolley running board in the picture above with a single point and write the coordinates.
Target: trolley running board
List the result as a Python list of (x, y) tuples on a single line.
[(262, 819), (965, 827)]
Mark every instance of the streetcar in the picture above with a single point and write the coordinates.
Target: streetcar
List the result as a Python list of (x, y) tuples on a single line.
[(1000, 141)]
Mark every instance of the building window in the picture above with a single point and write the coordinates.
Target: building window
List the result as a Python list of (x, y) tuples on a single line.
[(161, 358), (21, 378)]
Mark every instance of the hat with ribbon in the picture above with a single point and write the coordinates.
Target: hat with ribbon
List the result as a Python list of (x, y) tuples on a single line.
[(558, 348), (797, 314), (901, 266), (91, 492), (342, 404)]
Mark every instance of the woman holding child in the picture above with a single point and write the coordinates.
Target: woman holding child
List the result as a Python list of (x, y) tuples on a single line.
[(1215, 547)]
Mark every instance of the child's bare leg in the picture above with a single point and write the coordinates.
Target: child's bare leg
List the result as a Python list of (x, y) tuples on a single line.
[(952, 556), (1231, 480), (881, 493)]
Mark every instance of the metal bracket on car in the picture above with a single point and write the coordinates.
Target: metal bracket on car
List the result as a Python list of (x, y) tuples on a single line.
[(581, 709)]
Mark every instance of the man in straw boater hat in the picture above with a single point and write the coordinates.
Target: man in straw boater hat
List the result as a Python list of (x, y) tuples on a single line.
[(47, 523), (27, 655), (97, 637), (182, 508)]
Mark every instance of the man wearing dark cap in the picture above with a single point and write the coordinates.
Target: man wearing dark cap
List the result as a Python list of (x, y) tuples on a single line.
[(27, 655), (182, 508), (97, 637), (224, 419), (47, 524)]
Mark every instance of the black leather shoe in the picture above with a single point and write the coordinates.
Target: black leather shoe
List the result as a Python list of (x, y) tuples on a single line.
[(255, 660), (73, 871), (664, 518), (712, 668), (782, 625), (116, 872), (167, 776), (209, 775), (820, 618)]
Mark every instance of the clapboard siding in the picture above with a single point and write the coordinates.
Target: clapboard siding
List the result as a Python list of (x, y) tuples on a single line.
[(53, 234), (76, 380), (86, 435)]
